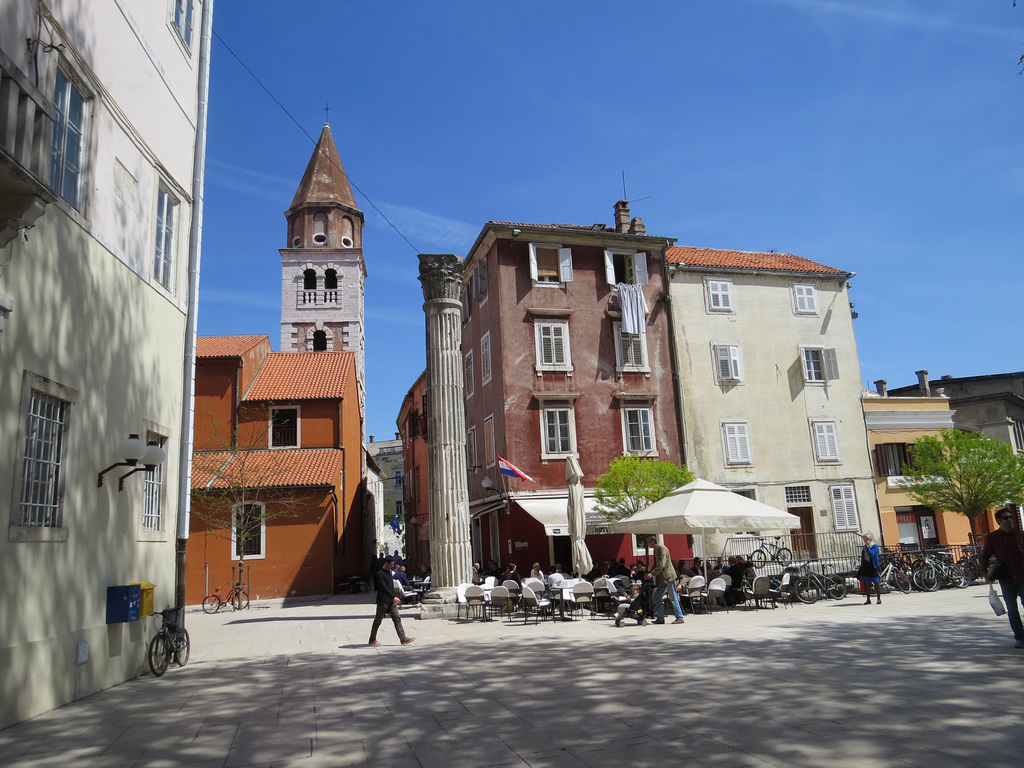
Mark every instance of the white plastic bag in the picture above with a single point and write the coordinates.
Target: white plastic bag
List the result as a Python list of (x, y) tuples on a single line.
[(995, 601)]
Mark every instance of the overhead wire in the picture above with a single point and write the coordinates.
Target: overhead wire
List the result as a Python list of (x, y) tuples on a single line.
[(311, 139)]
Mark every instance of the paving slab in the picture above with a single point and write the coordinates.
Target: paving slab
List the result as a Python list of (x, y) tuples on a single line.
[(927, 680)]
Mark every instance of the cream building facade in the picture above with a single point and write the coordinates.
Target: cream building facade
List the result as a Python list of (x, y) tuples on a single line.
[(101, 131), (769, 384)]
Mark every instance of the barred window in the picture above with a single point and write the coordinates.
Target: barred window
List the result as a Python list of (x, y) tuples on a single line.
[(43, 464), (798, 494), (153, 490)]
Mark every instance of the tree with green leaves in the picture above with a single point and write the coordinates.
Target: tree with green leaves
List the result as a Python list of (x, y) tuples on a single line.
[(632, 483), (964, 472)]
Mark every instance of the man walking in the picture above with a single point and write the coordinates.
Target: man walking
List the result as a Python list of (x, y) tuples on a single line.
[(387, 602), (664, 574), (1006, 545)]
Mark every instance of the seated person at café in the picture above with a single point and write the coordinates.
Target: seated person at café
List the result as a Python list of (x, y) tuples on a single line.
[(682, 570), (556, 575), (737, 570), (618, 568), (476, 577), (398, 572), (509, 574), (493, 569), (424, 573), (536, 572), (594, 574)]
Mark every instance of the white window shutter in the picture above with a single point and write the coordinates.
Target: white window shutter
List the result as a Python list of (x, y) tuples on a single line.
[(826, 441), (609, 267), (533, 262), (557, 345), (565, 265), (640, 267), (830, 364), (844, 508), (737, 444), (725, 294)]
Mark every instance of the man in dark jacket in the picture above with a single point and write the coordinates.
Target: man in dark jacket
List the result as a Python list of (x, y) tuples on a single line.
[(387, 602), (664, 574), (1006, 545)]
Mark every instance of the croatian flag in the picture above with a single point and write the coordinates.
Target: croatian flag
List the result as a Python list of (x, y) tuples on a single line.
[(510, 469)]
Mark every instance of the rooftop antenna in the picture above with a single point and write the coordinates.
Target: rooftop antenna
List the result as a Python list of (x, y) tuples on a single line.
[(636, 200)]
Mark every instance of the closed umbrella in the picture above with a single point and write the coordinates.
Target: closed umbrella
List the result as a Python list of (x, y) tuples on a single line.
[(576, 512)]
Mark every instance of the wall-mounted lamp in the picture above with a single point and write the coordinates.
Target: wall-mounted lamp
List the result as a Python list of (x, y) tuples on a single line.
[(487, 483), (516, 232), (134, 452)]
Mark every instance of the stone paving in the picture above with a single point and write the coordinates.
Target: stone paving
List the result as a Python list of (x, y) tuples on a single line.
[(928, 680)]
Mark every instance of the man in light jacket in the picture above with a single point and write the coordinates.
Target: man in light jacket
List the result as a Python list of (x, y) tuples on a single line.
[(664, 574)]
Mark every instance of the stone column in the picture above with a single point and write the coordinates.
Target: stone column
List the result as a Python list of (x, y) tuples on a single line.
[(450, 550)]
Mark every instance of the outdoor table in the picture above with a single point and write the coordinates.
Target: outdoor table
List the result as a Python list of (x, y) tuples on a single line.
[(564, 591)]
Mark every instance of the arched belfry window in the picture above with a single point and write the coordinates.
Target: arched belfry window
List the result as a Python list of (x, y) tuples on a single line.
[(347, 234), (320, 228), (319, 341), (309, 280), (331, 280)]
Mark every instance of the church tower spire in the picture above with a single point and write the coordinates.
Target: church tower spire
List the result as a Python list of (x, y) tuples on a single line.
[(322, 266)]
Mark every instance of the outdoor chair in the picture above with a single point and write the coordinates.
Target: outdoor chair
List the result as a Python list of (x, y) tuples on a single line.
[(583, 596), (409, 596), (514, 590), (536, 585), (534, 604), (716, 592), (602, 595), (783, 590), (497, 601), (696, 595), (489, 583), (759, 592), (475, 597)]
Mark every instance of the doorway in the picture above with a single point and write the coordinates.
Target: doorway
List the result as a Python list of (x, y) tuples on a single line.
[(804, 545)]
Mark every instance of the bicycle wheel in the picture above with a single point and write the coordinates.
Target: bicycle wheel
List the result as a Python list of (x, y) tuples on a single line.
[(784, 555), (956, 577), (899, 578), (182, 647), (806, 591), (835, 587), (211, 604), (159, 654), (926, 579), (243, 601), (759, 557)]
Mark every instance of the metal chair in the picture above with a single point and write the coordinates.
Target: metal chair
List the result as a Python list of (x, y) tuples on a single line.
[(475, 600), (531, 602), (497, 602), (696, 594), (515, 590), (602, 595), (759, 592), (583, 595), (716, 592)]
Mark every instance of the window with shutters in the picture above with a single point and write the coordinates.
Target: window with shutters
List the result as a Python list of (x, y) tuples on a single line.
[(628, 267), (805, 299), (826, 441), (737, 442), (719, 294), (727, 363), (637, 431), (844, 507), (630, 351), (550, 264), (489, 451), (471, 464), (890, 458), (558, 432), (480, 281), (485, 358), (249, 531), (468, 376), (820, 365), (553, 346)]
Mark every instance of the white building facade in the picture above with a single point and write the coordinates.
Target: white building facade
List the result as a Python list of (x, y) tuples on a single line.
[(769, 383), (101, 138)]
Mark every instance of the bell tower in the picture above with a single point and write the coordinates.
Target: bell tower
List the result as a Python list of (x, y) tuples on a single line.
[(322, 266)]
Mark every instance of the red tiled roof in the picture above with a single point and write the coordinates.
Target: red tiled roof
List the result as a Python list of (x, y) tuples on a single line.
[(716, 257), (302, 376), (595, 227), (226, 346), (265, 468)]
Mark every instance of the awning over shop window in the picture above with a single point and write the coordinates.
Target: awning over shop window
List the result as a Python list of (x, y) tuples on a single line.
[(552, 514)]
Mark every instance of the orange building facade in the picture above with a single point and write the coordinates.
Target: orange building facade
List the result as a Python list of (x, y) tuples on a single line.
[(277, 472)]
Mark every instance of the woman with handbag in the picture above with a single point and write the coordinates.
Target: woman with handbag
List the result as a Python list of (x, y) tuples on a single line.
[(868, 570)]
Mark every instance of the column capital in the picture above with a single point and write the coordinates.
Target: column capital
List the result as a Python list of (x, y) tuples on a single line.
[(440, 275)]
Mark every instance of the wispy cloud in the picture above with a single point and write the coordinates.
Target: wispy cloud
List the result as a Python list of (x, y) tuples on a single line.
[(249, 182), (240, 298), (927, 19), (423, 228)]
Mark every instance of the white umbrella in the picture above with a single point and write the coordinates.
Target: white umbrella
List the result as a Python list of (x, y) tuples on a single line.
[(702, 506), (576, 512)]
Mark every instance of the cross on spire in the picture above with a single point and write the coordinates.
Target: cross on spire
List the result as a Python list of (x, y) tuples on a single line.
[(327, 112)]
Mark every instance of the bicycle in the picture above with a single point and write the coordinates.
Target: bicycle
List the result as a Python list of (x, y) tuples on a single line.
[(771, 552), (170, 643), (238, 598), (935, 573), (811, 586), (894, 577)]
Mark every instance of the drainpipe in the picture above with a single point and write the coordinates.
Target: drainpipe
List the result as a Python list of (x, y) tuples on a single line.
[(188, 387)]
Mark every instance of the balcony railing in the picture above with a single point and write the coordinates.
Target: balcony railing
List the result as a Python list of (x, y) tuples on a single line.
[(316, 297)]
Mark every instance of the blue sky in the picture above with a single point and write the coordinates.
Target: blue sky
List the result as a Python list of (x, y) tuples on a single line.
[(878, 136)]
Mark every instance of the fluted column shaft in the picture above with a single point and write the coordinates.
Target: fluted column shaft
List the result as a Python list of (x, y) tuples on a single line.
[(450, 549)]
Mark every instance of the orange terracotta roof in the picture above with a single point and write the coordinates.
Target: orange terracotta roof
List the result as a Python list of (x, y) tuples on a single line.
[(715, 257), (266, 468), (302, 376), (595, 227), (325, 180), (227, 346)]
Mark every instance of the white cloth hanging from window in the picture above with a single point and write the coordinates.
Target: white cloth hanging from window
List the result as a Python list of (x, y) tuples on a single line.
[(634, 308)]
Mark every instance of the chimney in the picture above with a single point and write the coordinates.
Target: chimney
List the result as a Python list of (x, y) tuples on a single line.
[(922, 383), (371, 438), (622, 217), (882, 387), (636, 227), (398, 435)]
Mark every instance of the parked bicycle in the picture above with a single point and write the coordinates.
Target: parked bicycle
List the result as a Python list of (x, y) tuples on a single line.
[(893, 576), (938, 571), (970, 563), (811, 586), (169, 644), (771, 551), (238, 598)]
